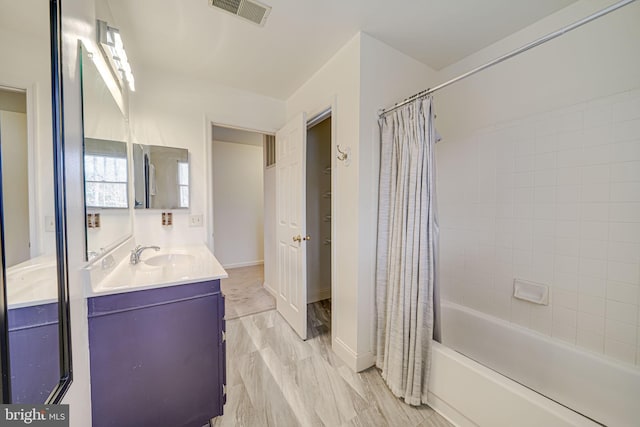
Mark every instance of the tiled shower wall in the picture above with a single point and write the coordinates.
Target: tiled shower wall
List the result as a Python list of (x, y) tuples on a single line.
[(554, 199)]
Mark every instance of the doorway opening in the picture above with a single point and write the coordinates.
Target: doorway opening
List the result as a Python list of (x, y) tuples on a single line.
[(318, 225), (238, 159)]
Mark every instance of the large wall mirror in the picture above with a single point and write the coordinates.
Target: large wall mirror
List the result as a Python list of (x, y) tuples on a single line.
[(161, 177), (35, 361), (106, 159)]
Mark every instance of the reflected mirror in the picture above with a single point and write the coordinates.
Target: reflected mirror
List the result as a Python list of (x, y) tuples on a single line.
[(35, 352), (106, 165), (161, 177)]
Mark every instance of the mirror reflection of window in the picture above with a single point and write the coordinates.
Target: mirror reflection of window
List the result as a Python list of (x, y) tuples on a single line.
[(183, 183), (105, 169)]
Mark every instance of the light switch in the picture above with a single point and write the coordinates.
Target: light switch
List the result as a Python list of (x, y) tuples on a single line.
[(195, 220)]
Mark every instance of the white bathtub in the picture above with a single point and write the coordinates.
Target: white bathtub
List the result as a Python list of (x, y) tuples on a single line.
[(471, 394)]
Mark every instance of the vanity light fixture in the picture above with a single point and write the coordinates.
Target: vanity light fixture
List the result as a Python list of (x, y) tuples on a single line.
[(112, 47)]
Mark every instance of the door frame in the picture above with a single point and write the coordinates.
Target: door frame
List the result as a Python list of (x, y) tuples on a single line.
[(209, 123), (331, 106)]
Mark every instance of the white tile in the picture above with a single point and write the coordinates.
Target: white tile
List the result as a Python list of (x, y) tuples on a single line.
[(541, 319), (623, 251), (544, 161), (569, 140), (591, 304), (624, 232), (628, 109), (596, 249), (564, 332), (571, 121), (520, 312), (592, 286), (594, 230), (544, 211), (625, 131), (625, 192), (544, 195), (595, 193), (568, 282), (542, 227), (594, 211), (524, 211), (597, 116), (596, 155), (523, 195), (522, 257), (619, 331), (569, 176), (590, 322), (569, 158), (625, 151), (619, 350), (522, 179), (524, 164), (595, 268), (622, 292), (524, 147), (624, 272), (568, 229), (595, 174), (569, 247), (590, 340), (544, 245), (598, 136), (567, 211), (567, 264), (625, 172), (622, 312), (624, 212), (545, 143), (544, 178), (565, 299), (568, 193)]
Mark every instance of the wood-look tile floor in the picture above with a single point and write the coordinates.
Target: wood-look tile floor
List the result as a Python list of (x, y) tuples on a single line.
[(276, 379), (244, 292)]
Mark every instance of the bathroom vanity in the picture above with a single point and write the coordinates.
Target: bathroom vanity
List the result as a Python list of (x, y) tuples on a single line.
[(157, 341)]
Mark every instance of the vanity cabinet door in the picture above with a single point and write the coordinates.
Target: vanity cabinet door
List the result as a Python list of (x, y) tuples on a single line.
[(223, 352), (154, 359)]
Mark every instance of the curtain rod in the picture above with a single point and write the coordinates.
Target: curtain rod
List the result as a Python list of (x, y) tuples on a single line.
[(511, 54)]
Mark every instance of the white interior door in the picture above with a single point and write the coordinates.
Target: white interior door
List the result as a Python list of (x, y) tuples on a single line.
[(291, 255)]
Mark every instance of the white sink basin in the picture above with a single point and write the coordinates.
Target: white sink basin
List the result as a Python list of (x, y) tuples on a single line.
[(169, 260)]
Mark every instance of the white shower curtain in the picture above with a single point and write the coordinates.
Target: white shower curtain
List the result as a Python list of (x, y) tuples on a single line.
[(407, 249)]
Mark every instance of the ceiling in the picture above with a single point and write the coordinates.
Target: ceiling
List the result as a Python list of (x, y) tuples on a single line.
[(190, 38)]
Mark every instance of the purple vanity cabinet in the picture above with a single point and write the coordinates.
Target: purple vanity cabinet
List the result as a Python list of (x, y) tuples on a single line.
[(158, 356)]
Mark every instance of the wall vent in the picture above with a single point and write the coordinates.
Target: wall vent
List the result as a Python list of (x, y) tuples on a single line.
[(250, 10)]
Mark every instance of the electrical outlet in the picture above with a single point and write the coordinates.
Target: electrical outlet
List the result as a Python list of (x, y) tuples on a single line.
[(195, 220), (49, 224)]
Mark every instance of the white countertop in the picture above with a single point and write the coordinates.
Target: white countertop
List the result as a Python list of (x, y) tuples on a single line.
[(183, 265), (33, 282)]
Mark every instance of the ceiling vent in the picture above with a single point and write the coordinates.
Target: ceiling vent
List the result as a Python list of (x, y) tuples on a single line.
[(250, 10)]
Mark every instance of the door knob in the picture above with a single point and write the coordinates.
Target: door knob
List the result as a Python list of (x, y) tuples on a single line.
[(297, 238), (307, 238)]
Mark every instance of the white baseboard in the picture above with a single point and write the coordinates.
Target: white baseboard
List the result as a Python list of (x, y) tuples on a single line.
[(357, 362), (269, 289), (318, 295), (242, 264)]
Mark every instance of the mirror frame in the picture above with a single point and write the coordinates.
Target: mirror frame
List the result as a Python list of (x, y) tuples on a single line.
[(64, 331)]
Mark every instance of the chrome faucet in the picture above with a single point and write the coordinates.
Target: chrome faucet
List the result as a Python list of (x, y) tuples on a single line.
[(134, 258)]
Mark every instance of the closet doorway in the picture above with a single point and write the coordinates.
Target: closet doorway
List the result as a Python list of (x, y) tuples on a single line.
[(318, 221)]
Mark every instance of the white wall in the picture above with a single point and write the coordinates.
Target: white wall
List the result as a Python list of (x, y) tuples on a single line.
[(362, 77), (174, 111), (15, 187), (29, 69), (238, 225), (538, 179)]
